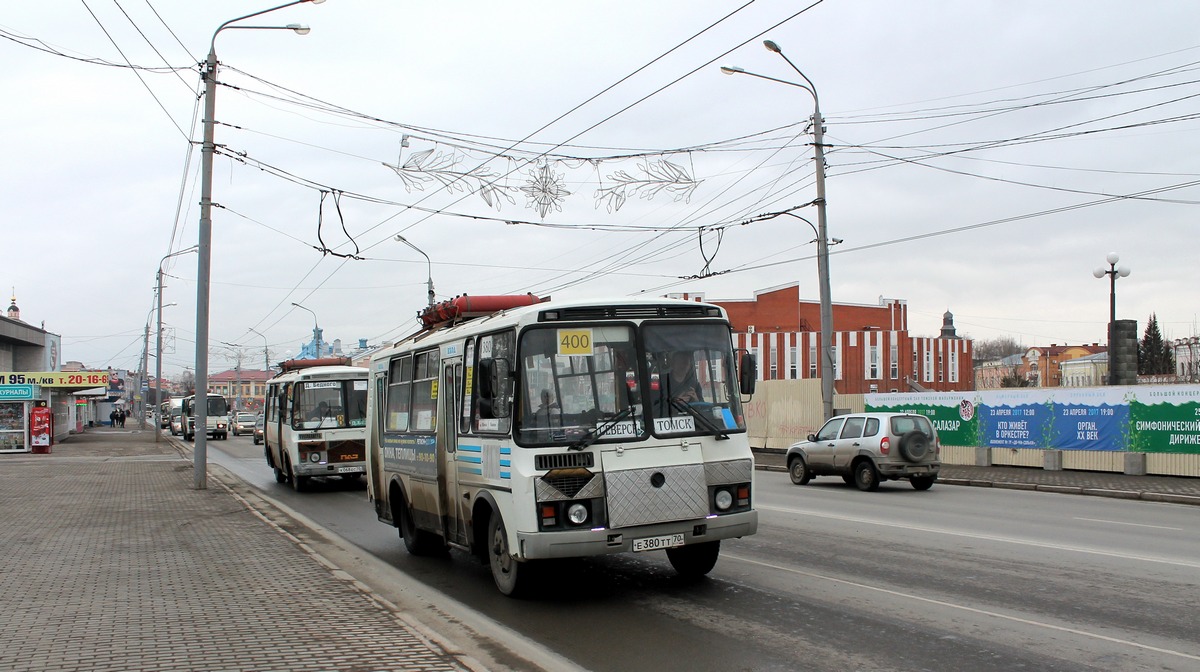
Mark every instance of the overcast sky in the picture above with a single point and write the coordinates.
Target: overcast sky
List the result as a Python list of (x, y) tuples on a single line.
[(984, 158)]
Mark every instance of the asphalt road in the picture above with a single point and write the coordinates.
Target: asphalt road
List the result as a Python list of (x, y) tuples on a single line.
[(955, 578)]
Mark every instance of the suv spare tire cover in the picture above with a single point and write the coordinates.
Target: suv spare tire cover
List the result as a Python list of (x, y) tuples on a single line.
[(914, 446)]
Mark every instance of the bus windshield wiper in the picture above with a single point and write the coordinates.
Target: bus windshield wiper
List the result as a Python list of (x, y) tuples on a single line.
[(596, 432), (707, 422)]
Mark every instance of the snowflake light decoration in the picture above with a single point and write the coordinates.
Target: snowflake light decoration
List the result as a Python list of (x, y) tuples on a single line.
[(544, 190)]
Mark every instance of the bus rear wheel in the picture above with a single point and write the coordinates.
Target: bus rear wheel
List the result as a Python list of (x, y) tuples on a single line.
[(512, 577), (417, 542)]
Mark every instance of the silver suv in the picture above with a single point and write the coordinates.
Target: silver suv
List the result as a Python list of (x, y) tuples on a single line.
[(866, 449)]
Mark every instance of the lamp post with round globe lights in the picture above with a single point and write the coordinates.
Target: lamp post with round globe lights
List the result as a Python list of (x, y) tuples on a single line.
[(1113, 273), (204, 264)]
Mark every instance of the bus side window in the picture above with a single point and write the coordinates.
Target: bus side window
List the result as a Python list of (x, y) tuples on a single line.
[(468, 387), (493, 415), (399, 394)]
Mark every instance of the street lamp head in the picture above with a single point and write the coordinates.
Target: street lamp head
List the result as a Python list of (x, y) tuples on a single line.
[(731, 69), (298, 29), (1123, 271), (1099, 272), (1112, 258), (771, 46)]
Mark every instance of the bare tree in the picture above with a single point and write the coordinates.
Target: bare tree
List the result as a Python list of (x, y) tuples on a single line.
[(991, 349)]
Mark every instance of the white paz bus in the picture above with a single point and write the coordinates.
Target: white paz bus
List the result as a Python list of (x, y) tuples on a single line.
[(315, 421), (216, 416), (519, 429)]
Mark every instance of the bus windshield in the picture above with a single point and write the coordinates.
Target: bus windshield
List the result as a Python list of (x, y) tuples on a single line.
[(217, 406), (692, 379), (580, 383), (330, 404)]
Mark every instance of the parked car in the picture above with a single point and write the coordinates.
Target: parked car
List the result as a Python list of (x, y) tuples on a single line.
[(258, 429), (866, 449), (243, 423)]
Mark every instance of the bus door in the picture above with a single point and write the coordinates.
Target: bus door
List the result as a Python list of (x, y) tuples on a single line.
[(455, 507), (374, 446)]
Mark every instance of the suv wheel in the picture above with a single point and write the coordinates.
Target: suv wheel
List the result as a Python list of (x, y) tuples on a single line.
[(866, 477), (798, 470), (914, 446), (922, 482)]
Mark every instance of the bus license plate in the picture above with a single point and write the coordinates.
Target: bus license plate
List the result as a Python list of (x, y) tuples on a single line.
[(350, 470), (658, 543)]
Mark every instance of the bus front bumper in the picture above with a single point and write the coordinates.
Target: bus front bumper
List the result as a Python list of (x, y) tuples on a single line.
[(600, 541), (326, 469)]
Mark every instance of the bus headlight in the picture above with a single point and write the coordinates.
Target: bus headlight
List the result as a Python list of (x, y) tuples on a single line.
[(314, 457), (577, 514), (723, 500)]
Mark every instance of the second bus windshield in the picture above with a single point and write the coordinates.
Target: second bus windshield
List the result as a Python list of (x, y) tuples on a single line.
[(330, 404)]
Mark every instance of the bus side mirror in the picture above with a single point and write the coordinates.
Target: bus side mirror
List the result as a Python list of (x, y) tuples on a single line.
[(494, 378), (747, 372)]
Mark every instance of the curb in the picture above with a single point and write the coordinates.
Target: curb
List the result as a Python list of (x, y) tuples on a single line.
[(1161, 497)]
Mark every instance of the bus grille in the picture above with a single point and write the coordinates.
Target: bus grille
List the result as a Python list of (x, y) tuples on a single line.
[(634, 498), (347, 451), (573, 460), (574, 484)]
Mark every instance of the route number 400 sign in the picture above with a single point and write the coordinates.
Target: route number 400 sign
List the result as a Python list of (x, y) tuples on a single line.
[(574, 342)]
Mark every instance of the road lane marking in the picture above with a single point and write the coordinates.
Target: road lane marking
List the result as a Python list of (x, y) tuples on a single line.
[(961, 607), (984, 537), (1117, 522)]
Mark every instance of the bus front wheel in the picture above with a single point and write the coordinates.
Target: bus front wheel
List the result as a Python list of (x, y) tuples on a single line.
[(511, 576), (299, 483), (694, 560)]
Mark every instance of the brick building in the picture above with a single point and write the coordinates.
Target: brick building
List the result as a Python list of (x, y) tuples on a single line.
[(249, 396), (873, 350)]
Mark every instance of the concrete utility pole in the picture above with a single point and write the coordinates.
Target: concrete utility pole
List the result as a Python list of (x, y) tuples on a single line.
[(142, 381), (158, 342), (204, 264), (818, 126)]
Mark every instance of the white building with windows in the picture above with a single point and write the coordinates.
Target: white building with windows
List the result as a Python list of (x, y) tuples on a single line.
[(1086, 371)]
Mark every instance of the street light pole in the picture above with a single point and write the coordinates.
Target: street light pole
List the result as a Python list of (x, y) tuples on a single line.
[(204, 264), (266, 353), (1113, 272), (316, 328), (158, 343), (428, 265), (818, 124)]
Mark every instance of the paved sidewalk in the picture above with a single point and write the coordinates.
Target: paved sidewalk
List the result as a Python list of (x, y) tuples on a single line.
[(1178, 490), (112, 561)]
